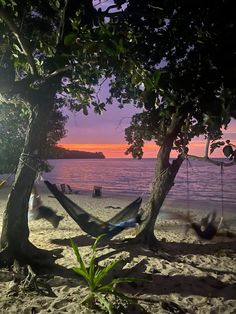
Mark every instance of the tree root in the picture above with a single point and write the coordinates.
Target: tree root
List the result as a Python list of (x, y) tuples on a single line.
[(148, 241), (24, 279), (29, 254), (30, 280)]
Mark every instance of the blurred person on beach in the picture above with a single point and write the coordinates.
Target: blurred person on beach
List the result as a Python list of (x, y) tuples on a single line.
[(206, 229), (38, 211)]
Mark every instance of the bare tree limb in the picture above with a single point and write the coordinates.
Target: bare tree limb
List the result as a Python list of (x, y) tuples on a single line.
[(99, 89), (120, 122), (207, 147)]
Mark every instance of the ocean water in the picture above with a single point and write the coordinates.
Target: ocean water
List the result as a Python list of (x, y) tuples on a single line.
[(134, 177)]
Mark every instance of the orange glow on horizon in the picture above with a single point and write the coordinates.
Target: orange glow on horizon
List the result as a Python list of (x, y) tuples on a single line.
[(109, 150), (150, 149)]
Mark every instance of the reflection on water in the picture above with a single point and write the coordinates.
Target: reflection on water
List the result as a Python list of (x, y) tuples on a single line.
[(128, 176)]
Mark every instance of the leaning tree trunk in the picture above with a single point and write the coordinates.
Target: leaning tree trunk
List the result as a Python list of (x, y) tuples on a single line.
[(15, 243), (165, 174), (161, 188)]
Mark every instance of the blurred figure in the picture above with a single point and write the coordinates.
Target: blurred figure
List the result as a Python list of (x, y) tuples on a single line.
[(38, 211)]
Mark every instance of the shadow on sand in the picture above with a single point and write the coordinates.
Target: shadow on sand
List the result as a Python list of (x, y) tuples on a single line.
[(160, 284)]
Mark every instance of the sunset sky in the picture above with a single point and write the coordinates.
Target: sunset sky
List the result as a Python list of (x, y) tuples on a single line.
[(105, 134)]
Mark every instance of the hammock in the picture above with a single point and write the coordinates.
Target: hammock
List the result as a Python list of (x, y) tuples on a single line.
[(93, 226)]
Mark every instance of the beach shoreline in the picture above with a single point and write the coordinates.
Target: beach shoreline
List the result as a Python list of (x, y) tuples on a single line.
[(199, 276)]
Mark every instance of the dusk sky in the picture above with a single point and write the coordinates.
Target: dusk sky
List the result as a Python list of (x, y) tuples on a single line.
[(106, 133)]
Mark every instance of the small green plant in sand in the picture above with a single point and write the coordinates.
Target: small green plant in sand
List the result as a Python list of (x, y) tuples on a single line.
[(100, 287)]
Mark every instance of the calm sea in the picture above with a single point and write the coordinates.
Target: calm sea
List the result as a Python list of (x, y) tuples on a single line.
[(133, 177)]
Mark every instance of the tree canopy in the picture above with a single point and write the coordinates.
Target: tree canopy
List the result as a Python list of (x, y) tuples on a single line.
[(181, 79), (187, 68)]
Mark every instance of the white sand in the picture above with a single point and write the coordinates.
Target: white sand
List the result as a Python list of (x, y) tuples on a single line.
[(200, 276)]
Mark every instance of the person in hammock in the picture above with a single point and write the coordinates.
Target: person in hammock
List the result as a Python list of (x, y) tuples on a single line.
[(126, 224), (38, 211), (208, 227)]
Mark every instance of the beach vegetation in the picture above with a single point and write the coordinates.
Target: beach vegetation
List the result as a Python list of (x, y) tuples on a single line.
[(101, 284)]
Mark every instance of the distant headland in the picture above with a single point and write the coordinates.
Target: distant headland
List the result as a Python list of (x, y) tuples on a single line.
[(62, 153)]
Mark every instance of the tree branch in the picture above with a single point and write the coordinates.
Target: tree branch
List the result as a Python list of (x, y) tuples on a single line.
[(99, 88), (215, 162), (110, 8), (210, 160), (54, 73), (62, 23), (120, 122), (154, 7), (23, 43), (207, 147)]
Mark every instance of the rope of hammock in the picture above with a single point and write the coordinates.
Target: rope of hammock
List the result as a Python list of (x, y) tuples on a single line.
[(222, 198), (187, 180), (221, 184), (222, 188)]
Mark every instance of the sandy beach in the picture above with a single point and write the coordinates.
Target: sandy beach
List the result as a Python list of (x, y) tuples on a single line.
[(194, 276)]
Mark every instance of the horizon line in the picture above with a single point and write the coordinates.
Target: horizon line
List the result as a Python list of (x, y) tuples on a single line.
[(117, 150)]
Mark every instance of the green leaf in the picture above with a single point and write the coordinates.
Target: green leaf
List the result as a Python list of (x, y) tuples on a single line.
[(70, 39), (92, 273), (17, 48), (156, 77), (127, 279), (97, 272), (105, 303), (82, 273), (57, 4), (136, 78), (78, 256), (87, 298), (105, 271), (148, 84), (228, 150), (94, 246), (85, 110), (110, 287)]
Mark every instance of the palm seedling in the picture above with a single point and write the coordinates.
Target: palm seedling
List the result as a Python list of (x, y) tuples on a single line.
[(100, 287)]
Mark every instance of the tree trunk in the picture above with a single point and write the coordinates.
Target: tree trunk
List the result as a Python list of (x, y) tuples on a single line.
[(15, 232), (164, 180), (161, 188)]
